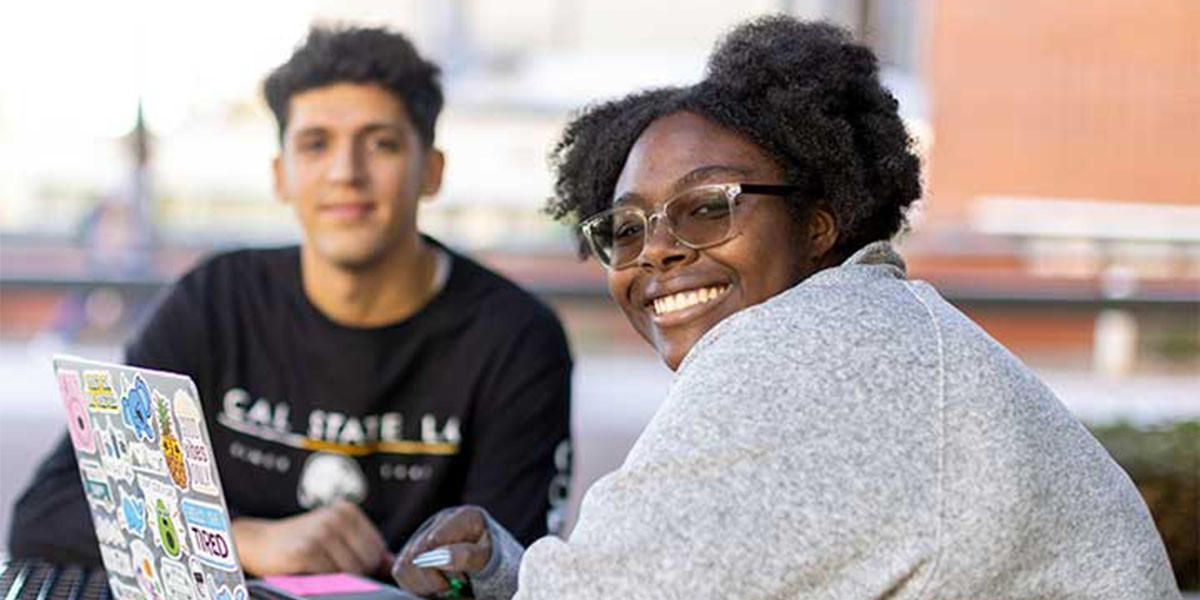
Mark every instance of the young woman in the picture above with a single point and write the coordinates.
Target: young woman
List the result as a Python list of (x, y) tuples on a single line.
[(835, 430)]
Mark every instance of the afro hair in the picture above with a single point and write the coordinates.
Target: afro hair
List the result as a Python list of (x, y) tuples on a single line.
[(805, 92)]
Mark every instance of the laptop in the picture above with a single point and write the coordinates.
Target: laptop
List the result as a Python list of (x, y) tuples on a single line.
[(151, 482)]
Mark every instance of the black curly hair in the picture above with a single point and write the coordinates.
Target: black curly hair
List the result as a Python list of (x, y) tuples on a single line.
[(805, 92), (332, 55)]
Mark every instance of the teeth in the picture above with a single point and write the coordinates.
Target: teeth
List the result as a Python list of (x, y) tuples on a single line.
[(688, 299)]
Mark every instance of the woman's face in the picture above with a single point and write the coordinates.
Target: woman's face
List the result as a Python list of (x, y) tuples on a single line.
[(673, 294)]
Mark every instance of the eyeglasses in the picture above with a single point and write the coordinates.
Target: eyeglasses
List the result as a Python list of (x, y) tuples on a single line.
[(700, 217)]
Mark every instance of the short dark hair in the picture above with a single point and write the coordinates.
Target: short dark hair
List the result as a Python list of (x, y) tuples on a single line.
[(332, 55), (804, 92)]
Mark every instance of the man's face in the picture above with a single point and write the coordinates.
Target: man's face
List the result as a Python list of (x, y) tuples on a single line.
[(353, 168)]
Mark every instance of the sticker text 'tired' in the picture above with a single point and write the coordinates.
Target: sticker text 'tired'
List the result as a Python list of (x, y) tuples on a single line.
[(208, 530)]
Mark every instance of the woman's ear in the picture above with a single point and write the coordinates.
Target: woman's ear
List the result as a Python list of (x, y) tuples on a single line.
[(822, 233)]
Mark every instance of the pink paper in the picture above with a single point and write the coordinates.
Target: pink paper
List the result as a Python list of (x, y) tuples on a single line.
[(332, 583)]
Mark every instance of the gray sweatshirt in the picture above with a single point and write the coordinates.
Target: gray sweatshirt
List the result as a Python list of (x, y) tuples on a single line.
[(854, 438)]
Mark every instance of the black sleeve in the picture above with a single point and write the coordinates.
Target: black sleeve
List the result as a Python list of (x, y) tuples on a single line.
[(51, 520), (520, 463), (173, 338)]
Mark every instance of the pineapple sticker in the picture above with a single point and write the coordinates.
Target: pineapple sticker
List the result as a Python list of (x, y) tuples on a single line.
[(172, 451)]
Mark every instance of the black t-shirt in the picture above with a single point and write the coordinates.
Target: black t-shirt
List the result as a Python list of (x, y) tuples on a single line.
[(465, 402)]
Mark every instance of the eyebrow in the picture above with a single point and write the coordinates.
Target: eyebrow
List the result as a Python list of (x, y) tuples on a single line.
[(696, 176), (367, 129), (692, 178)]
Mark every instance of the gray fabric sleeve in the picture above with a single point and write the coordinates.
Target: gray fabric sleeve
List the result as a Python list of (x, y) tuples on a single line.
[(498, 579)]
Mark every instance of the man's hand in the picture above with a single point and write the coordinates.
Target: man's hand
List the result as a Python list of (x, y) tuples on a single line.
[(462, 532), (333, 538)]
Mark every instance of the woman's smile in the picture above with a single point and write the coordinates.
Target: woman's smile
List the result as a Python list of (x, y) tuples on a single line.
[(672, 305), (673, 294)]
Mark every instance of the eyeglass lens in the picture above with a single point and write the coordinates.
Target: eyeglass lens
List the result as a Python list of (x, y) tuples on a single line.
[(697, 218)]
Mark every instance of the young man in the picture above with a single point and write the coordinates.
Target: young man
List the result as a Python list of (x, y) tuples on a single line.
[(361, 381)]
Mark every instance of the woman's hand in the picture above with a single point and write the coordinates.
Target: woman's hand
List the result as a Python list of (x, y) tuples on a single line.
[(460, 536)]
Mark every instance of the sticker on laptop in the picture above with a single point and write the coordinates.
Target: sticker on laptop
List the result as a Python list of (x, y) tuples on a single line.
[(98, 387), (79, 423), (199, 578), (116, 560), (145, 572), (147, 459), (195, 451), (223, 593), (137, 410), (167, 533), (171, 449), (114, 453), (133, 513), (96, 486), (176, 580), (124, 591), (165, 520), (108, 531), (208, 530)]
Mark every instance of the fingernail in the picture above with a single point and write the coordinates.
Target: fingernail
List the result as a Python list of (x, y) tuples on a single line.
[(438, 557)]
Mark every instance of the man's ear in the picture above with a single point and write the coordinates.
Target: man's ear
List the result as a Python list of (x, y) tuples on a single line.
[(431, 179), (278, 179)]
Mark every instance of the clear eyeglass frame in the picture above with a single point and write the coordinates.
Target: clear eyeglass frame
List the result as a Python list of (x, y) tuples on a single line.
[(593, 228)]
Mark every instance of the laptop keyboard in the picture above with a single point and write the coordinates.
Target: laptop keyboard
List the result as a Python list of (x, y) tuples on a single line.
[(38, 580), (41, 580)]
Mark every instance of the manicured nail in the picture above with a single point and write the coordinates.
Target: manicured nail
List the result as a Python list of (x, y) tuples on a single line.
[(438, 557)]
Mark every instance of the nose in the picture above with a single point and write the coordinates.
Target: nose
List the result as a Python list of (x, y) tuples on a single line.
[(661, 250), (347, 164)]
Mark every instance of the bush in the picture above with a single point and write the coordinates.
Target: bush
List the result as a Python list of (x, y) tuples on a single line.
[(1164, 463)]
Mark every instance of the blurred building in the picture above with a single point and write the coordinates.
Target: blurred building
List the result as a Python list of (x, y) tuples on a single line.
[(513, 73), (1063, 204), (1060, 141)]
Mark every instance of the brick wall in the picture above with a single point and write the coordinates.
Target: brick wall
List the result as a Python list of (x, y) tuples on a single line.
[(1094, 99)]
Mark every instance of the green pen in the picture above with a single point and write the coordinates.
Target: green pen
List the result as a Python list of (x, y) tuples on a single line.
[(441, 557), (458, 588)]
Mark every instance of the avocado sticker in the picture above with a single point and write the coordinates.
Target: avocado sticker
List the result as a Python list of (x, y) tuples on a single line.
[(166, 530)]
